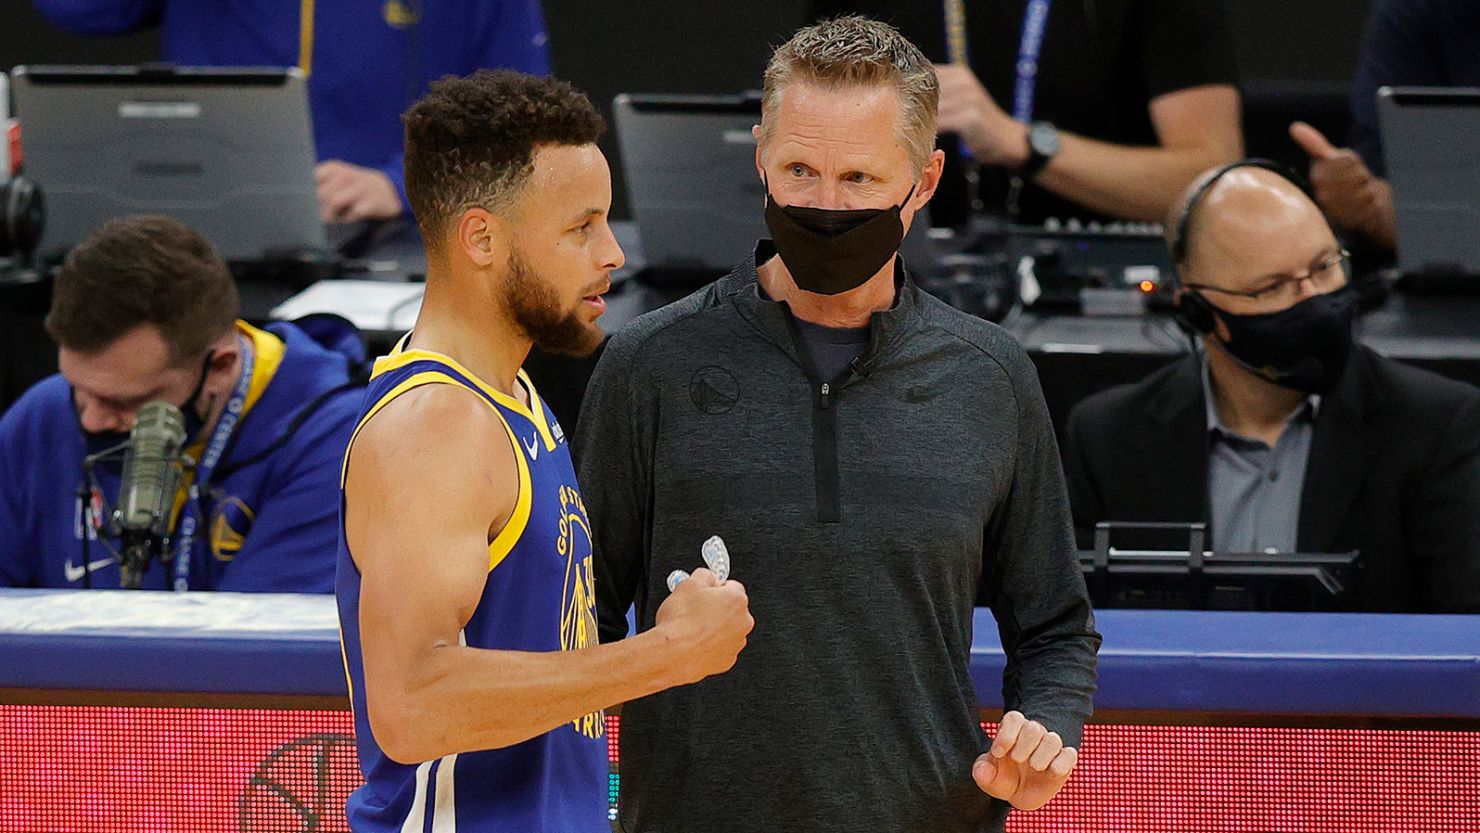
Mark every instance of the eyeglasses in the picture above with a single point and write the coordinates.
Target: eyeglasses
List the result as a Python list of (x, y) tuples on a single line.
[(1325, 275)]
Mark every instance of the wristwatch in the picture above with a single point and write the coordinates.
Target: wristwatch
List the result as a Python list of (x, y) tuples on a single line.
[(1043, 146)]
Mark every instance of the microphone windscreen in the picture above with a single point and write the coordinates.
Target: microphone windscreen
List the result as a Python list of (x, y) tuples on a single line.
[(151, 471)]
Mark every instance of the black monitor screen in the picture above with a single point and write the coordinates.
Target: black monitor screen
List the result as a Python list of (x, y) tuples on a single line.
[(1169, 568)]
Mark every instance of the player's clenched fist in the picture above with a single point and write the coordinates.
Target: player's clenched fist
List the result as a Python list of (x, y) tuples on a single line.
[(1027, 764), (706, 624)]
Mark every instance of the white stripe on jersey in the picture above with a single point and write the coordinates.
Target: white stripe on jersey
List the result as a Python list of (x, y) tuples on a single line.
[(416, 817), (444, 812)]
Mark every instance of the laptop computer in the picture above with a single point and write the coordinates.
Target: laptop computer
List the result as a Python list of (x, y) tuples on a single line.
[(1433, 161), (689, 162), (229, 152)]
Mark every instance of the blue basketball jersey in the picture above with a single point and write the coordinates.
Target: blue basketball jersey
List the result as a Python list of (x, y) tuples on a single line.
[(538, 596)]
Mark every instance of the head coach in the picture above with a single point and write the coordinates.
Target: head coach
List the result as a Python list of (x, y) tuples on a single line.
[(876, 461)]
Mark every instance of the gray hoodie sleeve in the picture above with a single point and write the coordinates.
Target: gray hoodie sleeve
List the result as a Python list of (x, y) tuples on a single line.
[(1032, 579), (612, 465)]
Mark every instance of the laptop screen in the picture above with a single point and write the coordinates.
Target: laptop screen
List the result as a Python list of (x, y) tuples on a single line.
[(1433, 162), (689, 162), (227, 151)]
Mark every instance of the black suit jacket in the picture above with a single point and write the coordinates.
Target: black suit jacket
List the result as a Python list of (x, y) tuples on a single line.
[(1394, 472)]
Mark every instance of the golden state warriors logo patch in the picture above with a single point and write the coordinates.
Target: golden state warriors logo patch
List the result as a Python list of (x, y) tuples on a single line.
[(229, 526), (714, 390), (401, 15), (578, 599)]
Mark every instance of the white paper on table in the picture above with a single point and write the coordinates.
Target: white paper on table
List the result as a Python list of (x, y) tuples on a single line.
[(369, 305)]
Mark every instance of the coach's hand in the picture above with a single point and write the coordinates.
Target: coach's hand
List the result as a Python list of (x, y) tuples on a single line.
[(705, 624), (1027, 764)]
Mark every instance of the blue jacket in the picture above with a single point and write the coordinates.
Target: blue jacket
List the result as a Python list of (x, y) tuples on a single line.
[(367, 64), (270, 525)]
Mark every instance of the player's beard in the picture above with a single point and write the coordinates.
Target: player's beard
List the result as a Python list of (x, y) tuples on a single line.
[(536, 309)]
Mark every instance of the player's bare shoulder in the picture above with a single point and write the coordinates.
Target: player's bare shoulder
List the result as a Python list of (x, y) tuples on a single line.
[(435, 449)]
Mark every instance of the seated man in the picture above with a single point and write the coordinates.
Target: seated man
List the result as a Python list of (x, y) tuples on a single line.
[(1419, 43), (1283, 435), (366, 63), (146, 310)]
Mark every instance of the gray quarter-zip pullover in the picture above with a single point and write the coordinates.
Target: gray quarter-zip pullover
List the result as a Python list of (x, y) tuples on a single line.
[(865, 515)]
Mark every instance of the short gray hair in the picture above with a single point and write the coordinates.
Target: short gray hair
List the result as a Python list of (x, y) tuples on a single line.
[(859, 51)]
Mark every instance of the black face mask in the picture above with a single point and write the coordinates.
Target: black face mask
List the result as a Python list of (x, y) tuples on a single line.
[(1304, 347), (829, 251), (97, 442)]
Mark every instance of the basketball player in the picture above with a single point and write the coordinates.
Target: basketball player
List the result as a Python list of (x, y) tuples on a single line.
[(464, 576)]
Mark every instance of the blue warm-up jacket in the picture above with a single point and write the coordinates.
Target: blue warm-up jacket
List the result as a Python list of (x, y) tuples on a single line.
[(270, 514)]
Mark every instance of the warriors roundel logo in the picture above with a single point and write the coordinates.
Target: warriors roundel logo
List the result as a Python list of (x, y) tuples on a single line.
[(230, 524), (401, 15), (714, 390)]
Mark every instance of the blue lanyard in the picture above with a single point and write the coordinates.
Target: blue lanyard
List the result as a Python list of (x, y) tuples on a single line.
[(191, 517), (1035, 21)]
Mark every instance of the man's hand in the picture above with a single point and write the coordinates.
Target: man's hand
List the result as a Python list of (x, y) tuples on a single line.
[(706, 624), (1027, 764), (967, 109), (1346, 188), (349, 193)]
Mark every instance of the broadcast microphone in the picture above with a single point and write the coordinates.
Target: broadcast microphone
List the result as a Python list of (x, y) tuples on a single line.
[(152, 467)]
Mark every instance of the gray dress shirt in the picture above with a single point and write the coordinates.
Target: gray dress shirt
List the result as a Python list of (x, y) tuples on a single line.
[(1253, 489)]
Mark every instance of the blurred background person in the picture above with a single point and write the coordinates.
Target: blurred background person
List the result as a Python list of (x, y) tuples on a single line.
[(1410, 43), (366, 63), (1089, 110)]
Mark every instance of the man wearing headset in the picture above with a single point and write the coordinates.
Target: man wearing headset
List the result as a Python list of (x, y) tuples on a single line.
[(146, 310), (1281, 433)]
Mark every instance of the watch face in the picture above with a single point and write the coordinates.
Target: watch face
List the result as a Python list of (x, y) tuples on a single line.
[(1043, 138)]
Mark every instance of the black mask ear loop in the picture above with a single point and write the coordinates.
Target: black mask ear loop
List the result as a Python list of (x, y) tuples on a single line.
[(906, 201), (205, 371)]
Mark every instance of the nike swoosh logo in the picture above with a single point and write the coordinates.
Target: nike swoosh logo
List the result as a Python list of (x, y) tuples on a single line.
[(75, 572), (533, 448)]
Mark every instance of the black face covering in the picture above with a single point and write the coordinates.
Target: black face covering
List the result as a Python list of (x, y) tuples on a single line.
[(830, 251), (1304, 347), (96, 442)]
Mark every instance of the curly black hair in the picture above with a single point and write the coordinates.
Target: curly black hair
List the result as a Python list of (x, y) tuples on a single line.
[(471, 141)]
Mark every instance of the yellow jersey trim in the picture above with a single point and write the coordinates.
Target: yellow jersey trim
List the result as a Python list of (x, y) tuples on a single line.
[(400, 357), (513, 529), (537, 406), (348, 680), (504, 542)]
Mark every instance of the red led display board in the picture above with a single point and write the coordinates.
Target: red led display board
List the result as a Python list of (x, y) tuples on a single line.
[(104, 768)]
